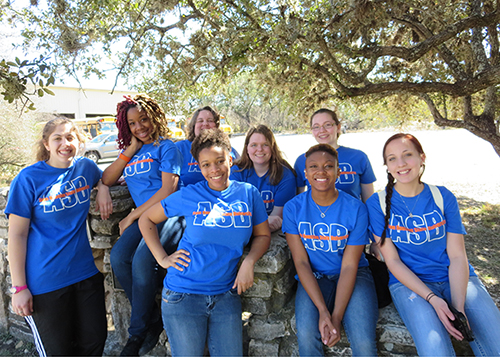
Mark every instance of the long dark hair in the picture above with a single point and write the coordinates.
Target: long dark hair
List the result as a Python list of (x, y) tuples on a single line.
[(389, 189), (276, 162)]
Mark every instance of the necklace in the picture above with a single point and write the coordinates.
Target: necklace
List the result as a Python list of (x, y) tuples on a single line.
[(415, 205), (323, 214)]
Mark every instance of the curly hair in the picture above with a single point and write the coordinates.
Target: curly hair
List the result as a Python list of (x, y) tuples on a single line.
[(210, 138), (42, 154), (194, 118), (153, 111), (276, 162), (389, 189)]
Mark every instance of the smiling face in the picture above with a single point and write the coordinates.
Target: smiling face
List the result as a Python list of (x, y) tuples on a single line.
[(204, 121), (215, 164), (403, 160), (322, 171), (140, 125), (63, 145), (324, 129), (259, 149)]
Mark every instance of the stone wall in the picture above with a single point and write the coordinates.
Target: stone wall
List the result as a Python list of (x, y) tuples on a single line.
[(269, 318)]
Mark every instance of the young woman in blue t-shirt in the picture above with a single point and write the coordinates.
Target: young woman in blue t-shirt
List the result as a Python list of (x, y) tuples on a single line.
[(150, 164), (263, 165), (326, 230), (200, 301), (421, 237), (56, 285), (356, 177), (203, 118)]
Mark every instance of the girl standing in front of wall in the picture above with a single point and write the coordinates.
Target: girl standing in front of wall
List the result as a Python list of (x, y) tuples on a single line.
[(150, 163), (421, 237), (56, 285)]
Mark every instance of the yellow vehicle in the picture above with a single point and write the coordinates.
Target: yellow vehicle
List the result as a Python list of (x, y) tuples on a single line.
[(88, 126), (174, 124), (225, 127), (107, 124)]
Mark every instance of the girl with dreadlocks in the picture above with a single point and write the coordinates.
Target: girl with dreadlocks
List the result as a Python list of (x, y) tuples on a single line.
[(150, 164), (263, 165), (421, 236)]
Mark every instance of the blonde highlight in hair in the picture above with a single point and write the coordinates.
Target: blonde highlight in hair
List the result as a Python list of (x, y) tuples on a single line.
[(153, 111)]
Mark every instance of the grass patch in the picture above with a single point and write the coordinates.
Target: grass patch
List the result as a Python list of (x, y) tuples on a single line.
[(482, 242)]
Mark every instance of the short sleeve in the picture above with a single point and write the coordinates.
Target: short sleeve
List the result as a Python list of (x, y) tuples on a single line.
[(259, 213), (21, 197), (170, 158), (286, 188), (299, 167), (375, 215)]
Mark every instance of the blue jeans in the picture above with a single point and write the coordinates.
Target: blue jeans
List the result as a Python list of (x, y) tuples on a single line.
[(191, 320), (429, 334), (137, 270), (360, 317)]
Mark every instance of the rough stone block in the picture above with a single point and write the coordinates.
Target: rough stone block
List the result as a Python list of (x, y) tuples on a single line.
[(272, 326), (263, 348), (107, 227), (4, 222), (120, 310), (102, 241), (276, 256), (289, 347)]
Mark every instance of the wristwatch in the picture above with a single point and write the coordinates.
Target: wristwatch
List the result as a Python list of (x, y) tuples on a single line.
[(16, 289)]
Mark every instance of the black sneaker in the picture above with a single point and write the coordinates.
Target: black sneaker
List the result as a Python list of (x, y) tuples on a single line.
[(133, 346), (152, 337)]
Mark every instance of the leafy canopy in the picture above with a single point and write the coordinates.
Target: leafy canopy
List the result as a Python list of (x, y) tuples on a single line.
[(445, 52)]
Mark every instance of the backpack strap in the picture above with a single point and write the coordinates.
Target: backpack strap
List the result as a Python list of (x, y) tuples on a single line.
[(381, 199), (436, 196)]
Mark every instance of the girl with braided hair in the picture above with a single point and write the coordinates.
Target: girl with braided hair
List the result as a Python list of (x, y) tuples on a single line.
[(150, 163), (421, 236)]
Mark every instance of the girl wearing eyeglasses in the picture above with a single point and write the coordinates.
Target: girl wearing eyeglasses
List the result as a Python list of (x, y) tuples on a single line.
[(356, 177)]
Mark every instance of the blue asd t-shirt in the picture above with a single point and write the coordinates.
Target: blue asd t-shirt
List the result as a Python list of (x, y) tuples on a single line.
[(421, 238), (56, 201), (219, 225), (325, 239), (143, 173), (272, 195)]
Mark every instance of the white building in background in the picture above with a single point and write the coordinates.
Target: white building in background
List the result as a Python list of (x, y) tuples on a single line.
[(78, 103)]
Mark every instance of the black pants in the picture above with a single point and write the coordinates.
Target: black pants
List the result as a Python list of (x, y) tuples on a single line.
[(71, 321)]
